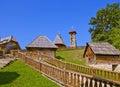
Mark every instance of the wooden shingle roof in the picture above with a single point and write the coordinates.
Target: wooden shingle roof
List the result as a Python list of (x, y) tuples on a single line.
[(41, 42), (59, 40), (7, 39), (103, 48), (72, 31)]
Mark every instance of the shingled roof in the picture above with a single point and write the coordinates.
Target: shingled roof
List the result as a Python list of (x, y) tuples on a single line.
[(72, 31), (7, 39), (41, 42), (59, 40), (102, 48)]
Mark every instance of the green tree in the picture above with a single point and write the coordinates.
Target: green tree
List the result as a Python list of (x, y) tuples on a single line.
[(114, 37), (106, 19)]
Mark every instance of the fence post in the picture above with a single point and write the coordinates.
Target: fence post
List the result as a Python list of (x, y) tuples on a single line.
[(65, 67), (100, 83), (78, 82), (40, 66), (65, 76), (86, 83), (119, 77), (105, 84), (82, 81), (25, 59), (75, 80), (95, 84), (91, 83)]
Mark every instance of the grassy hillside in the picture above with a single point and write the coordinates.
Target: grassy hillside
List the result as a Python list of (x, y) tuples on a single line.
[(18, 74), (71, 55)]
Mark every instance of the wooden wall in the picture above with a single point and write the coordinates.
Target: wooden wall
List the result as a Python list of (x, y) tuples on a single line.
[(12, 45), (2, 48), (90, 56), (36, 52), (107, 59)]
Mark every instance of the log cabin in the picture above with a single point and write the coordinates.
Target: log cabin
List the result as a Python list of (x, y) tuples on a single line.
[(9, 43), (101, 52), (41, 45), (58, 41)]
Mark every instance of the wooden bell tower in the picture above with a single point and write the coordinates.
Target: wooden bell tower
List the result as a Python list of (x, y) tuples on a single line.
[(73, 43)]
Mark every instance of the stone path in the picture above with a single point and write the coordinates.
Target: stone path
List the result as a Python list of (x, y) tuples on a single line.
[(5, 61)]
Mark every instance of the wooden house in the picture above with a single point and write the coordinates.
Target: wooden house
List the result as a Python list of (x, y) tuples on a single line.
[(41, 46), (59, 42), (9, 43), (101, 52)]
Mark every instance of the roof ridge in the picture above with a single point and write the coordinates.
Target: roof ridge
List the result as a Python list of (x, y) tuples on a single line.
[(7, 39), (41, 41), (49, 40), (33, 40), (103, 48), (58, 40)]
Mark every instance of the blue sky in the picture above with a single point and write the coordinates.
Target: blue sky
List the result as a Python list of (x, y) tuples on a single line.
[(26, 19)]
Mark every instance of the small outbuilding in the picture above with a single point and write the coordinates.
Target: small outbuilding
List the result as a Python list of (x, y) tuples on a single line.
[(59, 42), (42, 46), (101, 52), (9, 43)]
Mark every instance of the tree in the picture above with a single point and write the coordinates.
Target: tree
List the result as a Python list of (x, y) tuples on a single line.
[(114, 37), (106, 19)]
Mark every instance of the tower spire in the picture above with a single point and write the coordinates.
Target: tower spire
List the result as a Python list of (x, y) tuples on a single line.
[(73, 43)]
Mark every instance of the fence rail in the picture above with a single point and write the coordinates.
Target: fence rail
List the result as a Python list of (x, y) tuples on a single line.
[(66, 77), (83, 69)]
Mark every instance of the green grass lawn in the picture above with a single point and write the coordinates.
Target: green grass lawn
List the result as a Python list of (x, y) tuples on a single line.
[(17, 74), (71, 55)]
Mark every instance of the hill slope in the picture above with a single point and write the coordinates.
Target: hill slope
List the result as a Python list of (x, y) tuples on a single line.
[(18, 74), (71, 55)]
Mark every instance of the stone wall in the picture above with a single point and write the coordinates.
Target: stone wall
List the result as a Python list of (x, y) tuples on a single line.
[(102, 66), (105, 67), (117, 68)]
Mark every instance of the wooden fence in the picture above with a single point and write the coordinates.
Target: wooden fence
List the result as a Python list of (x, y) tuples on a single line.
[(83, 69), (66, 77)]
